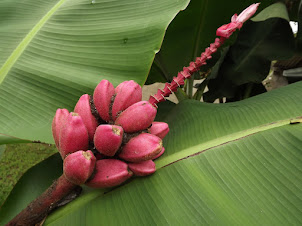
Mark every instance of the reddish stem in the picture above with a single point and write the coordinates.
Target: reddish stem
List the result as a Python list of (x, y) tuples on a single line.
[(186, 73), (225, 31), (38, 209)]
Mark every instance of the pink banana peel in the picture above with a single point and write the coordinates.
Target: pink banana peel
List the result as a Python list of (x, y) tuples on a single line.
[(159, 154), (83, 109), (58, 121), (159, 129), (108, 139), (73, 135), (126, 94), (102, 99), (137, 117), (109, 173), (78, 166), (142, 169), (143, 147)]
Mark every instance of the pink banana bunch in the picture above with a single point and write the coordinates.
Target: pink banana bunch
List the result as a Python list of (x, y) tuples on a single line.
[(109, 137)]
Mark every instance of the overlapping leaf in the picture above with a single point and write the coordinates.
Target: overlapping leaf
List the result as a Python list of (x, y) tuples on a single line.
[(52, 52), (238, 163)]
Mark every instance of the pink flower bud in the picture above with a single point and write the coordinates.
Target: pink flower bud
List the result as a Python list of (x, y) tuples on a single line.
[(159, 154), (159, 129), (73, 135), (102, 98), (127, 93), (58, 121), (79, 166), (143, 147), (108, 139), (227, 30), (109, 173), (247, 13), (83, 109), (137, 117), (144, 168)]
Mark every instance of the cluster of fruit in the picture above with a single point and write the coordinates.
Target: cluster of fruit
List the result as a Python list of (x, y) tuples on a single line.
[(109, 137)]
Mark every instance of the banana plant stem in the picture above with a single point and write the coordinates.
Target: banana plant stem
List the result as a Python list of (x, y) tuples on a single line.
[(38, 209)]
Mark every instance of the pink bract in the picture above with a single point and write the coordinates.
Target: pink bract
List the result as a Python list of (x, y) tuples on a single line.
[(247, 13)]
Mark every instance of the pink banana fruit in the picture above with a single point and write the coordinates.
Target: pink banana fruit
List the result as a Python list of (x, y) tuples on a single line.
[(58, 121), (137, 117), (108, 139), (109, 173), (143, 147), (83, 109), (73, 135), (102, 99), (159, 129), (78, 166), (144, 168), (127, 93)]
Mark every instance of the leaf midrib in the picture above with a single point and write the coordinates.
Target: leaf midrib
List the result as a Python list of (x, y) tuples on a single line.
[(9, 63), (191, 151)]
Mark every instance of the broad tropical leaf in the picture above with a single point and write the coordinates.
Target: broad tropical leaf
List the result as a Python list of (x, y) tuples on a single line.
[(229, 164), (52, 52)]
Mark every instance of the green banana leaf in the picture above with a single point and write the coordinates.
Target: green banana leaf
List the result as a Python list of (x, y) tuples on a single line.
[(52, 52), (238, 163)]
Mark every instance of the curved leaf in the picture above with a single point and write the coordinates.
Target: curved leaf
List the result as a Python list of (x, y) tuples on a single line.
[(235, 163), (52, 52)]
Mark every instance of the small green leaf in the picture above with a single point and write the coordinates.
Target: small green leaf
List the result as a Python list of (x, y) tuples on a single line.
[(276, 10)]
